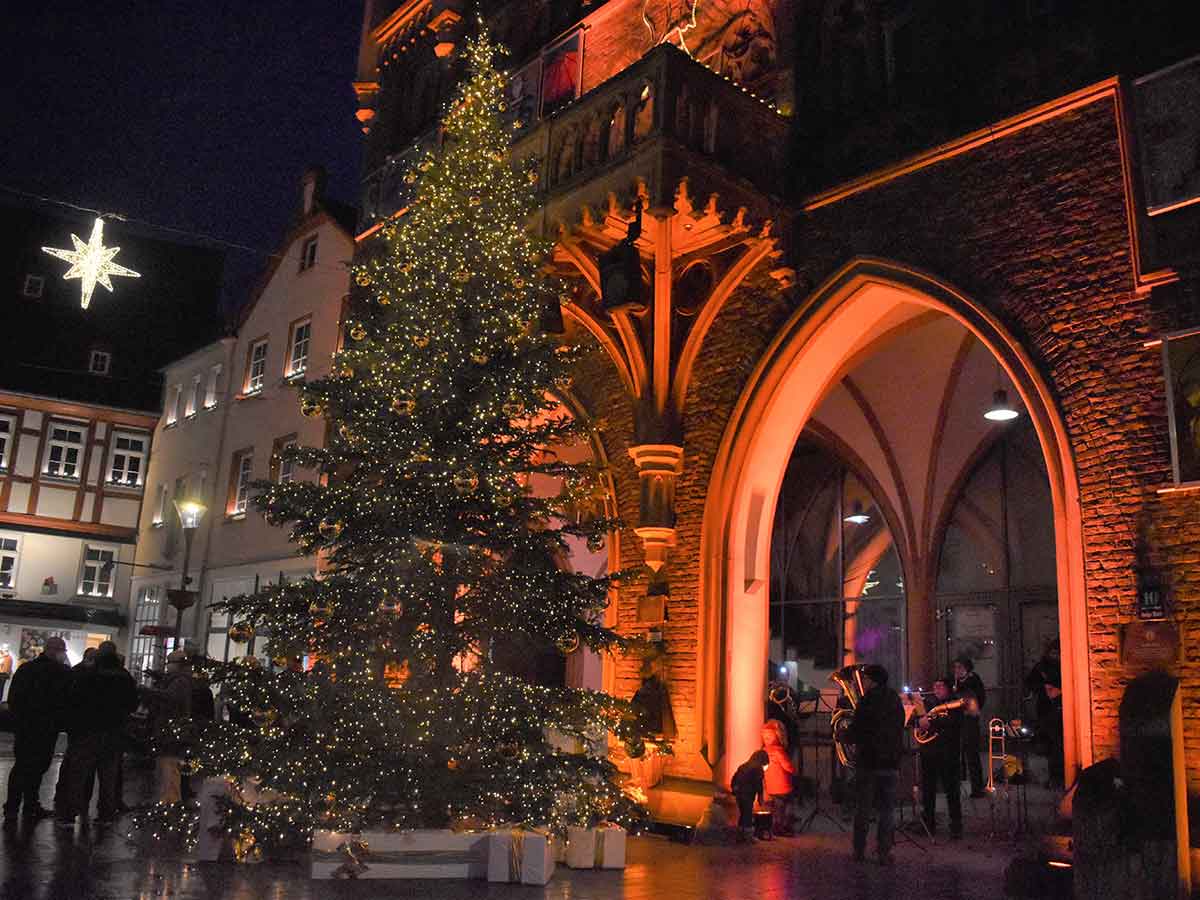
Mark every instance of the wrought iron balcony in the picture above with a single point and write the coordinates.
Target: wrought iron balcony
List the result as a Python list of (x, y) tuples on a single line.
[(665, 118)]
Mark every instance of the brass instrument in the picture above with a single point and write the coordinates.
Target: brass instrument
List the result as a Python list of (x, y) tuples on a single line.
[(942, 709), (849, 679), (997, 750)]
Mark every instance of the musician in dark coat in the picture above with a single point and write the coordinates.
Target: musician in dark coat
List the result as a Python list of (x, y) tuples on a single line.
[(1044, 684), (969, 686), (877, 733), (939, 758)]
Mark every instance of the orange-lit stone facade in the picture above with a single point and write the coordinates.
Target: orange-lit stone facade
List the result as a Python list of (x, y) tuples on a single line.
[(1029, 232)]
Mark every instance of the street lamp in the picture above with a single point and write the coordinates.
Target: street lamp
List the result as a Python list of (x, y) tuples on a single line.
[(190, 511)]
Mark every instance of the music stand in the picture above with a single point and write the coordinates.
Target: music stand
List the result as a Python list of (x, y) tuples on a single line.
[(817, 742), (902, 833)]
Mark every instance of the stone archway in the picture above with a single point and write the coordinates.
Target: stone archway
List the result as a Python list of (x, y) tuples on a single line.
[(841, 318)]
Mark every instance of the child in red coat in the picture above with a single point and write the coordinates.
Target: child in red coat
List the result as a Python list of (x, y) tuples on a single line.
[(777, 781)]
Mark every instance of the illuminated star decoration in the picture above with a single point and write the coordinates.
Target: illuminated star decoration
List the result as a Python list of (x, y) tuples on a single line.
[(92, 263)]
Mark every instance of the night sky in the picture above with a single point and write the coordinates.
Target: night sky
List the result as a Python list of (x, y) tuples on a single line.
[(200, 116)]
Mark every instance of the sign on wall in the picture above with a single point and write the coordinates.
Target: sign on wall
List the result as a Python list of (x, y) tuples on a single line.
[(1181, 369)]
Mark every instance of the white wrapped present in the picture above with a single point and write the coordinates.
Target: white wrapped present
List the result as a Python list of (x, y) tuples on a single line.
[(520, 856), (602, 847), (432, 853)]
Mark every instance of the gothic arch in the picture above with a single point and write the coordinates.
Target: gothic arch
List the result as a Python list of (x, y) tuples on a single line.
[(798, 367)]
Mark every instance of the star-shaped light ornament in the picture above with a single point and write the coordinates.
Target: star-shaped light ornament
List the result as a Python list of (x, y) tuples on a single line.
[(92, 263)]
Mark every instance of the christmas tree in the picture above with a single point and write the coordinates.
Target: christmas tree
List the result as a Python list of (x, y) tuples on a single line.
[(435, 552)]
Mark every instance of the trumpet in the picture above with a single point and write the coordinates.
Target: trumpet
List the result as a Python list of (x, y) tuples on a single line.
[(941, 710)]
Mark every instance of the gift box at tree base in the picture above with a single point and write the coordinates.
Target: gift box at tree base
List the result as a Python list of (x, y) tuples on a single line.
[(430, 853), (520, 856), (602, 847)]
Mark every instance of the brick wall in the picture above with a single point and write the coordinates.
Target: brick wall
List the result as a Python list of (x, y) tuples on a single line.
[(1033, 225)]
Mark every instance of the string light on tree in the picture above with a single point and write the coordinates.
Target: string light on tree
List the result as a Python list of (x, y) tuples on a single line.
[(91, 262), (437, 557)]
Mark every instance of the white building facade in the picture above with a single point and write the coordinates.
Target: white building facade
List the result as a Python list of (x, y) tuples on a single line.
[(72, 480), (286, 335)]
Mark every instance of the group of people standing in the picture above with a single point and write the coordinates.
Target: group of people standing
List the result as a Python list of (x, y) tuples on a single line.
[(92, 702), (952, 732)]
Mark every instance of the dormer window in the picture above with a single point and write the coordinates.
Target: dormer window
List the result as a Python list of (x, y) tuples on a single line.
[(99, 362), (33, 286), (308, 253)]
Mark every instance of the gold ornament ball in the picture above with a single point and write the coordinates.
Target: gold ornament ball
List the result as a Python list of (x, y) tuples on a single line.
[(363, 279), (452, 764), (318, 611), (250, 662), (462, 276), (410, 178), (518, 125), (391, 605), (518, 282), (357, 331), (241, 632), (508, 749), (384, 300), (466, 481), (503, 107), (595, 542), (498, 157), (330, 528), (310, 409), (533, 177), (281, 662), (475, 200), (421, 340), (513, 407), (405, 268), (347, 433), (479, 358), (404, 404), (426, 165), (568, 645)]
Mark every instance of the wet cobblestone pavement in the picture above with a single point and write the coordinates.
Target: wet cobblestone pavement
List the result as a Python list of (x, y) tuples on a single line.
[(41, 862)]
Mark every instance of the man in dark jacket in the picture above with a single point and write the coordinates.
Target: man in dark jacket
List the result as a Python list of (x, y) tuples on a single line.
[(877, 732), (939, 759), (35, 697), (99, 701), (1044, 684), (969, 687)]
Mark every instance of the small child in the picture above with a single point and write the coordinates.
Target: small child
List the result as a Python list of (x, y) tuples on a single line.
[(747, 785)]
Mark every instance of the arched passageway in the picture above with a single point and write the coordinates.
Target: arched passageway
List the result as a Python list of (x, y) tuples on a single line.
[(834, 331)]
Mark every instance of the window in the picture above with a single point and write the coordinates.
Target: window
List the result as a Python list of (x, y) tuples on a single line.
[(239, 492), (145, 649), (128, 460), (99, 362), (193, 398), (308, 252), (62, 455), (8, 434), (98, 565), (10, 550), (298, 356), (210, 390), (160, 510), (256, 371), (171, 412), (33, 286), (283, 470)]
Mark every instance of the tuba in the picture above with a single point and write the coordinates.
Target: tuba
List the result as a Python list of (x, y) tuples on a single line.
[(849, 679)]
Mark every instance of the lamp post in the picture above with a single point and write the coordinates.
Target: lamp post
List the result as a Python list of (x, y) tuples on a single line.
[(190, 512)]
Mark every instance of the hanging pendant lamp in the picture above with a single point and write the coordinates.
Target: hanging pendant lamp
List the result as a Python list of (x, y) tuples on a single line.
[(1001, 410), (858, 516)]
